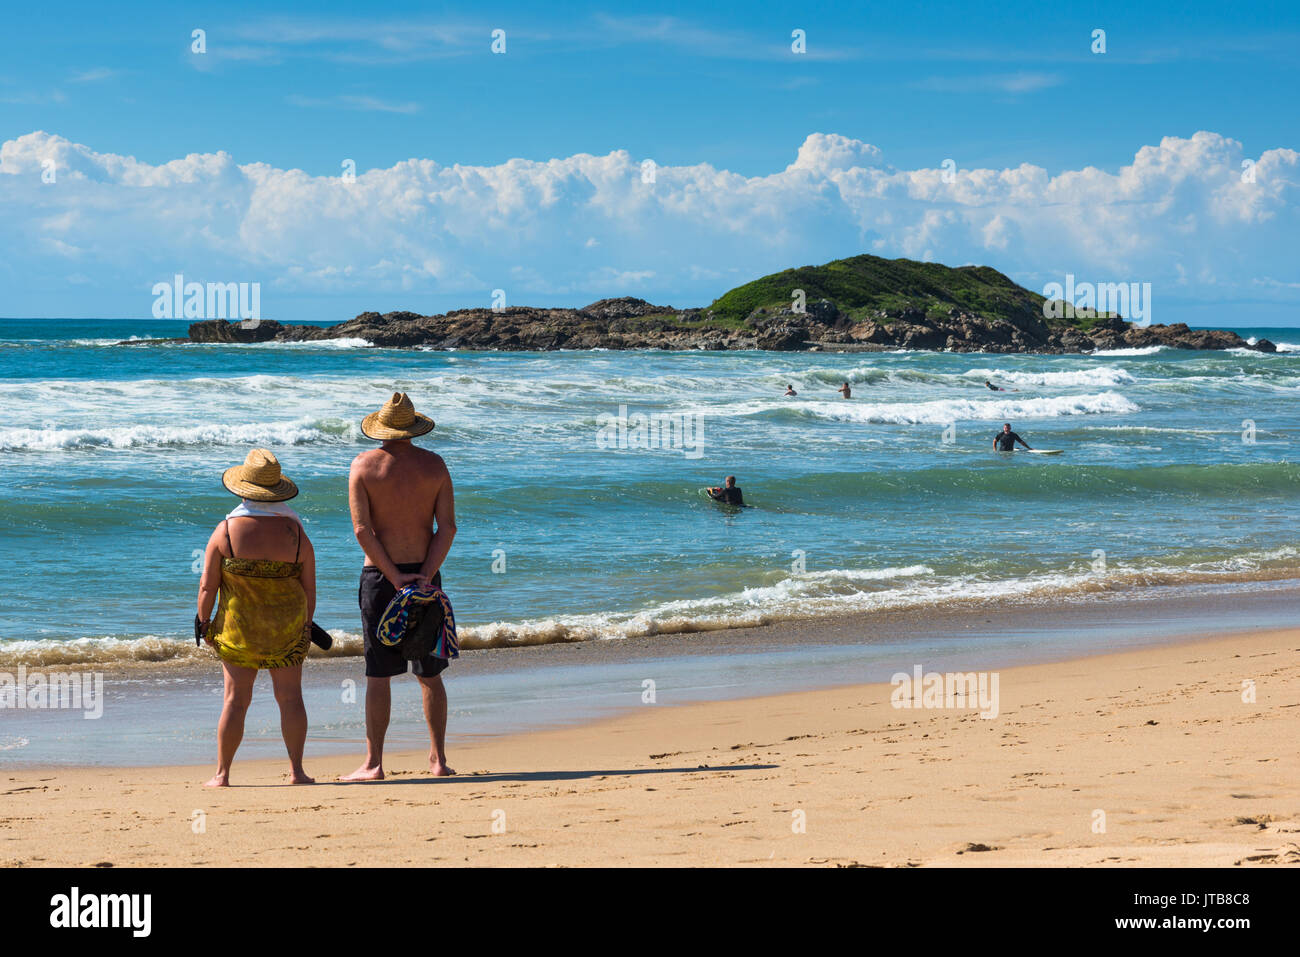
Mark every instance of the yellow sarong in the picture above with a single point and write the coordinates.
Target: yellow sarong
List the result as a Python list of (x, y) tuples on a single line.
[(261, 619)]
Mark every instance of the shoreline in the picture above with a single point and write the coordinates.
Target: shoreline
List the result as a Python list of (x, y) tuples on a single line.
[(1158, 739), (1082, 602), (166, 715)]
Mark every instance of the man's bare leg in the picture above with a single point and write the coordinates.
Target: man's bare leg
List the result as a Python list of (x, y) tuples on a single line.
[(379, 705), (435, 713), (293, 718), (230, 729)]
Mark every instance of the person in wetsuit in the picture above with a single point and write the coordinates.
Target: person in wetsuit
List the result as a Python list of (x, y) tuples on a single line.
[(1005, 441), (789, 390), (728, 494), (994, 387)]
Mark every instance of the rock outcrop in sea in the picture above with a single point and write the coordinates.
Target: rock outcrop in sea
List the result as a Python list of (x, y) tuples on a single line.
[(628, 323), (862, 303)]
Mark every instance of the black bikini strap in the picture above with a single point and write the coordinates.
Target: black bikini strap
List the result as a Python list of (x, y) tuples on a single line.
[(229, 544), (297, 551)]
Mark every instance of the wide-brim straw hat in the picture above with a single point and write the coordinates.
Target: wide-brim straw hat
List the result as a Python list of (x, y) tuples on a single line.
[(396, 420), (259, 479)]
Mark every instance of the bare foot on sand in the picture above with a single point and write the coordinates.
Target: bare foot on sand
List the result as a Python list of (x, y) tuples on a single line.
[(440, 769), (300, 777), (218, 780), (365, 773)]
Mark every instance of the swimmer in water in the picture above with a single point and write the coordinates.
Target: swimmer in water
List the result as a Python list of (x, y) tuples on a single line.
[(728, 494)]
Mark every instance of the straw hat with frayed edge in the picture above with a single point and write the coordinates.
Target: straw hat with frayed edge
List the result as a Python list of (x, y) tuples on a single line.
[(396, 420), (259, 479)]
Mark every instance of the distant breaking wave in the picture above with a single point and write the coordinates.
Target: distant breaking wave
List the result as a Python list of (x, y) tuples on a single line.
[(148, 436), (1130, 351), (1096, 376), (74, 343), (345, 342), (943, 411)]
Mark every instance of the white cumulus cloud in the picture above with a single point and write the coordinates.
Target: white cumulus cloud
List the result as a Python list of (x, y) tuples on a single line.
[(1180, 215)]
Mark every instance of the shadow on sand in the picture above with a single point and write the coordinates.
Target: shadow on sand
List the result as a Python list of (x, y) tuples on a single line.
[(488, 777), (493, 776)]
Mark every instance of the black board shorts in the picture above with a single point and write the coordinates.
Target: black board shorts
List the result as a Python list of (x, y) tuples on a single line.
[(383, 661)]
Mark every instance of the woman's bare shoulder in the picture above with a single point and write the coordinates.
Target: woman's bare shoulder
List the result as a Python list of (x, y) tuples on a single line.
[(217, 539)]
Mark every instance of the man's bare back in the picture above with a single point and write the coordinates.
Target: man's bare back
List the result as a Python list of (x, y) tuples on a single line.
[(397, 493)]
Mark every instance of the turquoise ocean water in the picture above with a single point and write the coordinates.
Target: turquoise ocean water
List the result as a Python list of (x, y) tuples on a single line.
[(1177, 472), (113, 456)]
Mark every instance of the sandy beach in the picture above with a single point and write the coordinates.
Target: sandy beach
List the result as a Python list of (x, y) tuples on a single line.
[(1143, 757)]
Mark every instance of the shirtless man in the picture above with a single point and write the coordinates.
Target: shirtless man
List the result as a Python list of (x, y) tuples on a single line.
[(397, 493), (845, 391)]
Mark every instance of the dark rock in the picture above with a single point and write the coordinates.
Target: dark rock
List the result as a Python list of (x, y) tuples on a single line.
[(222, 330), (785, 338), (623, 307), (630, 323), (823, 311)]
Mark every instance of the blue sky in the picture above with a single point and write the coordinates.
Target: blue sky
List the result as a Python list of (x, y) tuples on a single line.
[(712, 91)]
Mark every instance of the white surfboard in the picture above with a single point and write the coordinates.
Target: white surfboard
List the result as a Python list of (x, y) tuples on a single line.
[(1046, 451)]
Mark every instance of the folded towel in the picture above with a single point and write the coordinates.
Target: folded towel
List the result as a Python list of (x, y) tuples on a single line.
[(248, 509), (421, 622)]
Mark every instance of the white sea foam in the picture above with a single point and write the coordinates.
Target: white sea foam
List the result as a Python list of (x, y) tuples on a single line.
[(101, 342), (152, 436), (821, 594), (943, 411), (1281, 347), (827, 595), (1130, 351), (153, 649), (1096, 376), (352, 342)]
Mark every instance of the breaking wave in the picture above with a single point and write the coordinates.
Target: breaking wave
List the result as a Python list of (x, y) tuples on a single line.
[(818, 595), (298, 432)]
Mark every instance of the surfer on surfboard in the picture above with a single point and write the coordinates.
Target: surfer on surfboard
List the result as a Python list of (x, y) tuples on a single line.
[(728, 494), (1005, 441), (997, 388)]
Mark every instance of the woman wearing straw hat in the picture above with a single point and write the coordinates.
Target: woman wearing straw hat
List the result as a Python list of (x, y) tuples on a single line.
[(262, 563)]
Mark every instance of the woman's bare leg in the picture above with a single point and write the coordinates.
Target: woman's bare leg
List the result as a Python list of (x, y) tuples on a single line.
[(230, 729), (293, 718)]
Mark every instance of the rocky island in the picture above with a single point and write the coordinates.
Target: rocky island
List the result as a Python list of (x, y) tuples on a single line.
[(863, 303)]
